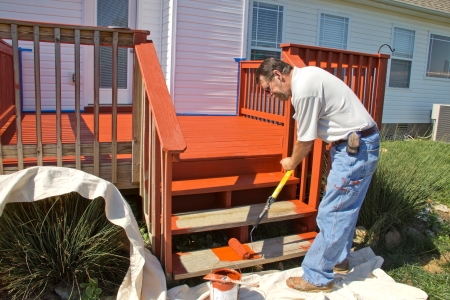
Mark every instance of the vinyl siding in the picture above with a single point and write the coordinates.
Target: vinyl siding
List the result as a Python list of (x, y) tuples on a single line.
[(66, 12), (369, 29), (149, 15), (209, 37)]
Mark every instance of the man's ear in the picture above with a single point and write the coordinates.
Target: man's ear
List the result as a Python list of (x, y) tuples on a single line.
[(277, 74)]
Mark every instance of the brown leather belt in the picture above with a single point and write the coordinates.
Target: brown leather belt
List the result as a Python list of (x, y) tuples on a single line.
[(363, 133)]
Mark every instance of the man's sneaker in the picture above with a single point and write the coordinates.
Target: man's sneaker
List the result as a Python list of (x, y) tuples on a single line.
[(300, 284), (342, 267)]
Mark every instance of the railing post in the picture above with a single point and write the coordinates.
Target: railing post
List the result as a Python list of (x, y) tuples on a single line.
[(96, 102), (137, 122), (77, 100), (37, 94), (115, 69), (15, 44), (380, 90), (57, 41)]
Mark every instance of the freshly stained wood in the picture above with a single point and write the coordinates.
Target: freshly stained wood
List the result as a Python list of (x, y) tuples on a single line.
[(238, 216), (229, 183), (190, 264), (169, 131)]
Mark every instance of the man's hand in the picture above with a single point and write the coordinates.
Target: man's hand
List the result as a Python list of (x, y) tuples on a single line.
[(288, 164), (301, 149)]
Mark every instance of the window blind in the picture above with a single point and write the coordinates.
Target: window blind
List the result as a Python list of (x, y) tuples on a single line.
[(403, 42), (267, 30), (112, 13), (400, 73), (333, 32)]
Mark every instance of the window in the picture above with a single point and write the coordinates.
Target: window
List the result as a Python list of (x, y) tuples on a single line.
[(267, 29), (400, 73), (439, 56), (112, 13), (333, 31)]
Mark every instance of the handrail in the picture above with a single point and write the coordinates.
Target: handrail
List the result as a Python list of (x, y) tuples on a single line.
[(127, 37), (161, 105)]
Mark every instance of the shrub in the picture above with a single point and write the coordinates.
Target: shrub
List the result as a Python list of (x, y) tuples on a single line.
[(409, 174), (64, 239)]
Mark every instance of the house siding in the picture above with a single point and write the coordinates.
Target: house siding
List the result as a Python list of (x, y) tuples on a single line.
[(208, 38), (66, 12), (369, 29)]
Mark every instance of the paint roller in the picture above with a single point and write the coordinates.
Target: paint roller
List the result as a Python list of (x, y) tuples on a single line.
[(239, 249), (271, 200)]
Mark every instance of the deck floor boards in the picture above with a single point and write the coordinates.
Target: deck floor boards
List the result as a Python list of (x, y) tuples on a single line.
[(206, 136)]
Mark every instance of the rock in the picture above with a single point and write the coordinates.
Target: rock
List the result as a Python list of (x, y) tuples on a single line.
[(392, 239), (442, 207)]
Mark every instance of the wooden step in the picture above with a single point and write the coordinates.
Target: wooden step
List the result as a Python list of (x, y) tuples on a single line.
[(229, 183), (238, 216), (198, 263)]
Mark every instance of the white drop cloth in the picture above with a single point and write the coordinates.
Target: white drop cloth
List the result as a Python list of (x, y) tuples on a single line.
[(145, 278), (365, 281)]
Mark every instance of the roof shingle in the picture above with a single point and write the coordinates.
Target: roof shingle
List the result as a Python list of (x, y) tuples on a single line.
[(436, 5)]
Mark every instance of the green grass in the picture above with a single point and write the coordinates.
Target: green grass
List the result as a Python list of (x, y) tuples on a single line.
[(409, 174), (62, 239)]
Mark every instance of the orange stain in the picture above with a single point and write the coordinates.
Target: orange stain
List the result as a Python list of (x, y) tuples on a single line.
[(228, 254)]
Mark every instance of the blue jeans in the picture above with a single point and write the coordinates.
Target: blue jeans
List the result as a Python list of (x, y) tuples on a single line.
[(347, 185)]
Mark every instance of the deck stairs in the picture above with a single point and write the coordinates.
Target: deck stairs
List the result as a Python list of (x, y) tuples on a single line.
[(228, 194)]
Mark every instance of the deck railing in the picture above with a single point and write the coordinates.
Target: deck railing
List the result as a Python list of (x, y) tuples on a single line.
[(364, 73), (58, 34), (163, 141)]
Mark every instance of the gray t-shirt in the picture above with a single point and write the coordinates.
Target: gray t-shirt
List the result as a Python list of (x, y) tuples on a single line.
[(325, 107)]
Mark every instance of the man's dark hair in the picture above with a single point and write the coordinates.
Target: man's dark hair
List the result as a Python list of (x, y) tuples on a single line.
[(269, 65)]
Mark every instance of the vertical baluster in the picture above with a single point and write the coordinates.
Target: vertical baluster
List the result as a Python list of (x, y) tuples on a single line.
[(96, 102), (115, 69), (155, 178), (77, 101), (137, 123), (167, 209), (368, 84), (358, 87), (57, 34), (15, 45), (37, 94)]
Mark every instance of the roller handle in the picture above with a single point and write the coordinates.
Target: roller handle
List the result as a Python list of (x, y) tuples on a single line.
[(273, 197)]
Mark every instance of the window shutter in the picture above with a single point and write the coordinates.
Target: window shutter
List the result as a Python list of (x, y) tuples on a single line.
[(112, 13), (403, 42), (333, 31), (267, 29)]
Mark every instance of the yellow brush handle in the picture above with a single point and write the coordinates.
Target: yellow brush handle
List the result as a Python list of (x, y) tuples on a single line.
[(282, 183)]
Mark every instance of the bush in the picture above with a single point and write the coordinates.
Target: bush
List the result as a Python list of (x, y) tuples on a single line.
[(409, 174), (64, 239)]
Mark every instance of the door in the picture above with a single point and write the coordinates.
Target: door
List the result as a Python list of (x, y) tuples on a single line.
[(116, 13)]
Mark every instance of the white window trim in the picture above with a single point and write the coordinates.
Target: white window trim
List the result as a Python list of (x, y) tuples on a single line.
[(388, 75), (337, 14), (425, 77), (250, 22)]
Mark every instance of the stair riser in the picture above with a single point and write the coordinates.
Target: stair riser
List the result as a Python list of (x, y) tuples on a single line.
[(185, 170)]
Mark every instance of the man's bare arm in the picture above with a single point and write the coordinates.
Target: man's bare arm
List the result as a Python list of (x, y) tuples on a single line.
[(301, 149)]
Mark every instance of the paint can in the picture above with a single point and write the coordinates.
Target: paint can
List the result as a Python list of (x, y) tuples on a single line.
[(224, 291)]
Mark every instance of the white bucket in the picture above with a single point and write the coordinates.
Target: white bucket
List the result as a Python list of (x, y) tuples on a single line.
[(225, 291)]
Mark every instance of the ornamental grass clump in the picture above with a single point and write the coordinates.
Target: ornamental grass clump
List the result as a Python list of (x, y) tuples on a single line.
[(61, 240), (409, 175)]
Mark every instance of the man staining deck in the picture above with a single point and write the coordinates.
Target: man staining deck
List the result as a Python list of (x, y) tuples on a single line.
[(326, 108)]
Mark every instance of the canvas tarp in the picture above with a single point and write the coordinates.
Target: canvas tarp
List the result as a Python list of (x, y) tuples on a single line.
[(145, 278)]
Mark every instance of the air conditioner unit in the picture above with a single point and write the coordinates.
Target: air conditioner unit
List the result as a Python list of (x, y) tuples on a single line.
[(441, 116)]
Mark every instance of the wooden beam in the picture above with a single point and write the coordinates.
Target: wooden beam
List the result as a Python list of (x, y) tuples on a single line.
[(115, 71), (57, 39), (77, 99), (155, 178), (18, 102), (127, 37), (37, 95), (137, 122), (161, 105), (167, 209), (316, 176), (96, 101)]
